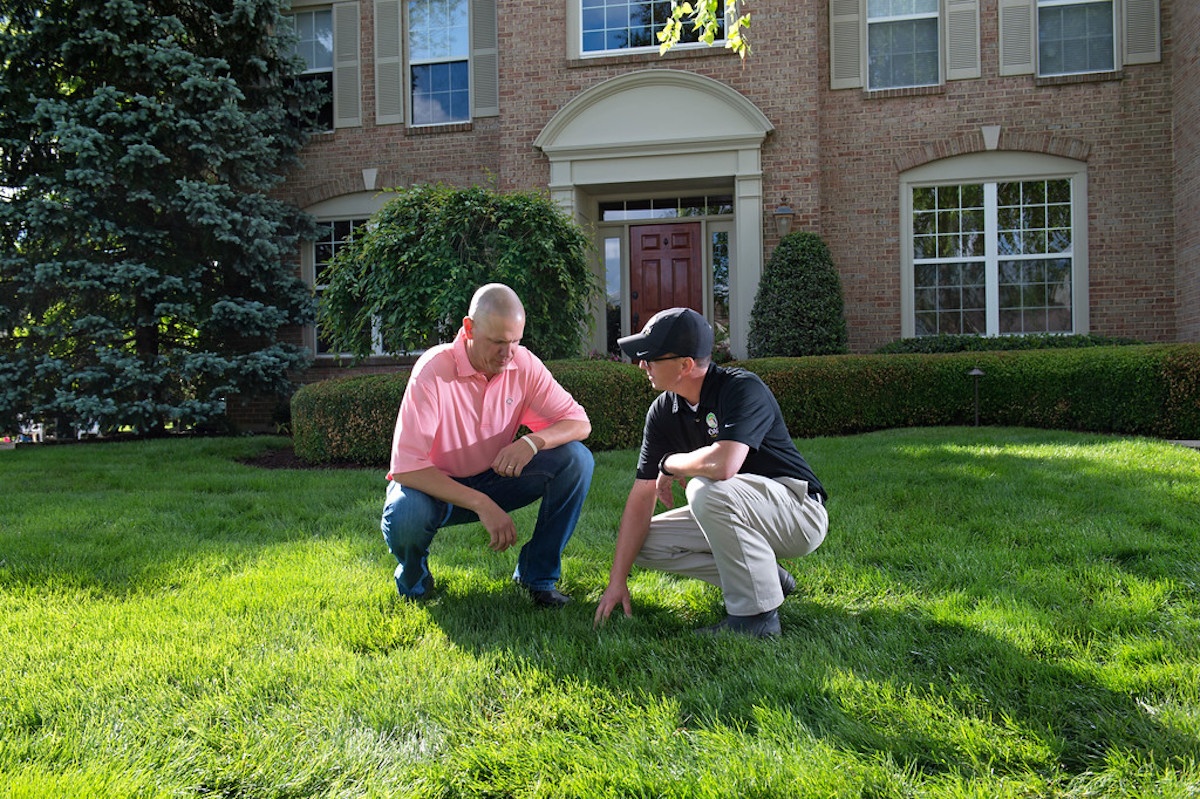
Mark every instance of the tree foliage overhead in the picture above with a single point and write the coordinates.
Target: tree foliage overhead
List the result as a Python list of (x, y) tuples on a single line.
[(799, 308), (409, 275), (708, 19), (144, 269)]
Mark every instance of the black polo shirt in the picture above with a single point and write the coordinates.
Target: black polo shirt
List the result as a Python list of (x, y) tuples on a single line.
[(735, 405)]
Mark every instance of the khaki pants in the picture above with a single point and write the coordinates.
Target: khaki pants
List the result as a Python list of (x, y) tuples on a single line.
[(731, 534)]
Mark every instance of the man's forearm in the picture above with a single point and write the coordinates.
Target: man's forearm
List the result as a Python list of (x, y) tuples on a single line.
[(635, 526), (561, 432), (439, 485)]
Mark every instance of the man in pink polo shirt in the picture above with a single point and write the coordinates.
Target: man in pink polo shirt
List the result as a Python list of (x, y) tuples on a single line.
[(455, 460)]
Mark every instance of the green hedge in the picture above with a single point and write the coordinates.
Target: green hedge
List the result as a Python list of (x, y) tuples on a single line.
[(347, 419), (1151, 390)]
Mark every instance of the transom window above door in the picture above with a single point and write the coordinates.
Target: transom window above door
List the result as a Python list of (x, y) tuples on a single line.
[(608, 26)]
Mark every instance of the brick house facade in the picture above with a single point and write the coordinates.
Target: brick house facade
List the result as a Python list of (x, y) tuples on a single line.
[(904, 158)]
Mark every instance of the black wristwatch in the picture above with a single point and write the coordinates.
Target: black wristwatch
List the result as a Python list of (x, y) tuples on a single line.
[(662, 464)]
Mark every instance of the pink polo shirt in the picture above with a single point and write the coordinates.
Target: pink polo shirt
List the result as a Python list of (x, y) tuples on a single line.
[(454, 418)]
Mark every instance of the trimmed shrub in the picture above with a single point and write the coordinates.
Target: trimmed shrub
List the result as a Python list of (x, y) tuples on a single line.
[(1151, 390), (347, 419), (968, 342), (799, 308)]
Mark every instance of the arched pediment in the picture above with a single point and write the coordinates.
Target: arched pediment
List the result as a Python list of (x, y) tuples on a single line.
[(655, 110)]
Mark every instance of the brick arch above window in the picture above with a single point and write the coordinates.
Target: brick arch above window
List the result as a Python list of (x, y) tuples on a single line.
[(352, 183), (976, 142)]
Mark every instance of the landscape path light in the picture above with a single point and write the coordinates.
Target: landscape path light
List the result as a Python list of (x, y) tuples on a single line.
[(975, 374)]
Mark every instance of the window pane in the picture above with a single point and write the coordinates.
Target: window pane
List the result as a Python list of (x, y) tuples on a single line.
[(1075, 37), (902, 53), (720, 284), (612, 279), (330, 237), (439, 43), (950, 258), (625, 24)]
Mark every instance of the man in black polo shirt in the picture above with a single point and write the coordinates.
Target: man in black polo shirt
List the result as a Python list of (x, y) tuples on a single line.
[(752, 498)]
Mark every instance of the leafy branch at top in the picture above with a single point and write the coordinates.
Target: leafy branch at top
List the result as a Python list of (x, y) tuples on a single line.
[(706, 19)]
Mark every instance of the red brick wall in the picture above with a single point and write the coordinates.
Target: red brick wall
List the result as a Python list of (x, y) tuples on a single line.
[(1185, 34), (837, 156), (1123, 126)]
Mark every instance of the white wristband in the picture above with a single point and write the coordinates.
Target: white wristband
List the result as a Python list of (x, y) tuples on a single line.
[(529, 441)]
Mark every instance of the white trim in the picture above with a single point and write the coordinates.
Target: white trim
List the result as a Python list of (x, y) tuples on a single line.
[(998, 166), (703, 132)]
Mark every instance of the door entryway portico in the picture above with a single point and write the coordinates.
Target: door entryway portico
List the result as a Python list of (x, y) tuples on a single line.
[(665, 133)]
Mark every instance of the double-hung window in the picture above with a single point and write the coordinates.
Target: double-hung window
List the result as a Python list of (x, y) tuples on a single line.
[(439, 53), (314, 44), (610, 26), (996, 255), (902, 43), (1076, 36), (327, 40), (879, 45), (1053, 38)]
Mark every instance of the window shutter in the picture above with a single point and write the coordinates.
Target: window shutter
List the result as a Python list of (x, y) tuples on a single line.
[(1016, 37), (962, 39), (347, 100), (485, 60), (389, 68), (845, 44), (1143, 39)]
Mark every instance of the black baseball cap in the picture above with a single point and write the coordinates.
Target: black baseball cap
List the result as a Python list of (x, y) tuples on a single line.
[(675, 331)]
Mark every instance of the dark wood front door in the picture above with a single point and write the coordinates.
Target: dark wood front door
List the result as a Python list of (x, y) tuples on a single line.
[(665, 270)]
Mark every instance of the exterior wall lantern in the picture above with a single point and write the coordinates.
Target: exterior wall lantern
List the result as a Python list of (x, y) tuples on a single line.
[(783, 219)]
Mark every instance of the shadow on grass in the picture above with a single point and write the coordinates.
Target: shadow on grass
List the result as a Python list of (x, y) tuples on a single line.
[(938, 696)]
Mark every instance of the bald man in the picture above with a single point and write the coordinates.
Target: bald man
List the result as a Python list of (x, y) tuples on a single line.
[(456, 457)]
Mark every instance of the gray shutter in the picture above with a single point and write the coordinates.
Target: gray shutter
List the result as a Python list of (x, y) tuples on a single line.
[(846, 23), (962, 39), (1143, 38), (389, 68), (485, 60), (1016, 37), (347, 88)]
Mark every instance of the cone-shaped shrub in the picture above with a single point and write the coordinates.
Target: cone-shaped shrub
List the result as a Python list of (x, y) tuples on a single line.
[(798, 310)]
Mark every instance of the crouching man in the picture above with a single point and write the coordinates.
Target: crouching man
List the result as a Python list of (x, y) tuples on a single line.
[(752, 497), (454, 457)]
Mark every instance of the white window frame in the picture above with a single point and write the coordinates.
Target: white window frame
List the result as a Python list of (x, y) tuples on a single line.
[(308, 269), (877, 23), (415, 61), (996, 167), (575, 37), (1114, 19), (313, 14)]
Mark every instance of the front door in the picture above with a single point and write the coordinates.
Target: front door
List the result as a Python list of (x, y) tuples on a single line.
[(665, 270)]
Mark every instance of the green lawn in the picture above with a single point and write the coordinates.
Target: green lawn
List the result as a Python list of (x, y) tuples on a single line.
[(995, 613)]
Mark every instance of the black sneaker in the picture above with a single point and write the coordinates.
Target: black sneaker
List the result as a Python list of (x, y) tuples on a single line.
[(787, 582), (760, 625), (549, 598)]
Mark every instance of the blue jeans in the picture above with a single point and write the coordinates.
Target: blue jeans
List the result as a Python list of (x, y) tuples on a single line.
[(560, 477)]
